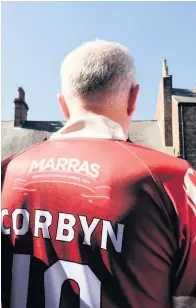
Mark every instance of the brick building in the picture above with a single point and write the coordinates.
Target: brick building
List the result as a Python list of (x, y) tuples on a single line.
[(173, 131)]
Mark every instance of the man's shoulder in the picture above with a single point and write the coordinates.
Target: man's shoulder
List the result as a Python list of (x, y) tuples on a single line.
[(25, 154), (6, 161), (158, 162)]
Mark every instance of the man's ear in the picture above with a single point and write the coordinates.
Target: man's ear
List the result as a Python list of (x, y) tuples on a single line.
[(64, 107), (132, 99)]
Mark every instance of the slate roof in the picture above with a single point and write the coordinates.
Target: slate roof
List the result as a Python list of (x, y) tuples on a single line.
[(14, 140), (147, 133), (184, 95)]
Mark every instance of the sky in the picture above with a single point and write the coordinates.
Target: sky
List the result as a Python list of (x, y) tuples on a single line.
[(36, 36)]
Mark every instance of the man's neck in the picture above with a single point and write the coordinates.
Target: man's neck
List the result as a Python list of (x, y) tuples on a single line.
[(77, 115)]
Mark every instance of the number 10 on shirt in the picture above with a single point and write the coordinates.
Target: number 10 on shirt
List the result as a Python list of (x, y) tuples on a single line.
[(54, 277)]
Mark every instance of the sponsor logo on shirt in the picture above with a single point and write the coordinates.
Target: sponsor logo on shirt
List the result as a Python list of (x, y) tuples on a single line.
[(65, 164), (190, 189)]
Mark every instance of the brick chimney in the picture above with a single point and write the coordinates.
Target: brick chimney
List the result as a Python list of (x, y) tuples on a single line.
[(21, 108), (164, 106)]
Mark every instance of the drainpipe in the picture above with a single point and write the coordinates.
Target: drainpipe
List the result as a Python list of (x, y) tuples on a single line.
[(182, 131)]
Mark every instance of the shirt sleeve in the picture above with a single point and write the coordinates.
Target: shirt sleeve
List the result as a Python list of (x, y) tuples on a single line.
[(6, 251), (4, 165), (160, 248), (181, 188)]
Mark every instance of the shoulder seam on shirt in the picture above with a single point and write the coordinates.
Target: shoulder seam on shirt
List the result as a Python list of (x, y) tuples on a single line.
[(16, 155), (151, 172)]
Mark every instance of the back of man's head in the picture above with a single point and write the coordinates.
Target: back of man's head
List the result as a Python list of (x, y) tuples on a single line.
[(98, 71), (99, 77)]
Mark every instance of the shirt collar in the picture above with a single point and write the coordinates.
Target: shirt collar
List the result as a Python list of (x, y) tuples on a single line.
[(91, 126)]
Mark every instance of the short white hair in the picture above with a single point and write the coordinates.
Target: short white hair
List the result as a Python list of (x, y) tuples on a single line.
[(97, 69)]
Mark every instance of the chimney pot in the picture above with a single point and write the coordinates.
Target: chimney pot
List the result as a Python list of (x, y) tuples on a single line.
[(164, 68), (21, 94)]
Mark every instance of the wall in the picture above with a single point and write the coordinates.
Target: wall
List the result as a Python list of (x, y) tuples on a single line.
[(187, 129)]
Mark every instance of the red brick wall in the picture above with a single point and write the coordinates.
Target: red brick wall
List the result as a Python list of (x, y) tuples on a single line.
[(20, 113), (164, 110), (167, 96)]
